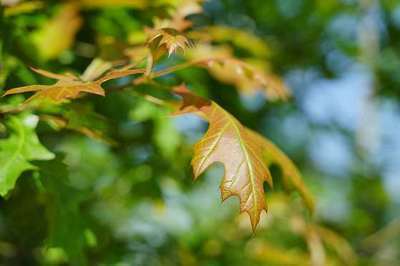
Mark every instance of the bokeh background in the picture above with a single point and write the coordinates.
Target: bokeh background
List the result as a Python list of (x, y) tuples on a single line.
[(135, 203)]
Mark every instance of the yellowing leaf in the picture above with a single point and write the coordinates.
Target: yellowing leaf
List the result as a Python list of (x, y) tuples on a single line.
[(59, 33), (236, 147)]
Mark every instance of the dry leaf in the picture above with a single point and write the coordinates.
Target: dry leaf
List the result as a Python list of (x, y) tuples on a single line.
[(229, 142)]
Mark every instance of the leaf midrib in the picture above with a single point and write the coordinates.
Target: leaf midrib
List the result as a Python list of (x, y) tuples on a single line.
[(233, 122)]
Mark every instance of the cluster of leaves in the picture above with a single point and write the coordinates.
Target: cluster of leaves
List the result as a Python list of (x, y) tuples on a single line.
[(149, 61), (246, 168)]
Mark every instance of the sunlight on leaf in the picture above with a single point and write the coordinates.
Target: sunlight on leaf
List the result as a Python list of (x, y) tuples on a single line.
[(169, 39), (69, 86), (18, 150), (229, 142)]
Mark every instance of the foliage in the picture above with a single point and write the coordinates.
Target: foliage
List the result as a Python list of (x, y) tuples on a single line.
[(89, 180)]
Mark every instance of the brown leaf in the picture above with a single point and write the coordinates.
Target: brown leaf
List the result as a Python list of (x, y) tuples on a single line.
[(69, 86), (169, 39), (236, 147)]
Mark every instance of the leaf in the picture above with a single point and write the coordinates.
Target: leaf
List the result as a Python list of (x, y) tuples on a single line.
[(291, 175), (242, 39), (18, 150), (247, 77), (229, 142), (69, 86), (169, 39), (58, 34), (244, 153)]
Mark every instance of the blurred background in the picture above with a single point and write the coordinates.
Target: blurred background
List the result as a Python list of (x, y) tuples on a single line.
[(129, 198)]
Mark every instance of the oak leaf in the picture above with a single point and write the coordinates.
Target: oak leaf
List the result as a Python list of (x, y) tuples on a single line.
[(69, 86), (244, 153), (229, 142), (18, 150), (66, 87)]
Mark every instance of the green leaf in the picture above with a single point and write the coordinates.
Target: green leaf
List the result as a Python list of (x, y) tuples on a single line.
[(21, 147)]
